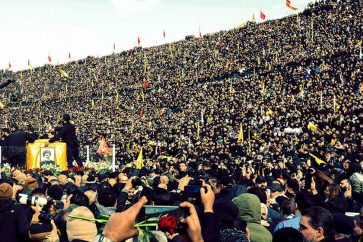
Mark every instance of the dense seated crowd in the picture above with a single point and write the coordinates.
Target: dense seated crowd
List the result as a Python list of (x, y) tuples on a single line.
[(268, 117)]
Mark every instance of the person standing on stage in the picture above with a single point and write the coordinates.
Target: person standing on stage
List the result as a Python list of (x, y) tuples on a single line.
[(67, 134), (16, 143)]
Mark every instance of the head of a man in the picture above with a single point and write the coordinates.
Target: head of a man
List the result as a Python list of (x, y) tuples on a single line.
[(164, 180), (47, 155), (183, 167), (316, 224), (122, 178), (66, 118)]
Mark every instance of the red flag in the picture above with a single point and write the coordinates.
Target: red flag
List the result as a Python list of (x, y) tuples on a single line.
[(262, 15), (145, 85), (28, 62), (164, 34), (288, 4), (220, 44), (138, 41), (114, 46), (9, 65), (200, 33), (49, 59), (69, 55)]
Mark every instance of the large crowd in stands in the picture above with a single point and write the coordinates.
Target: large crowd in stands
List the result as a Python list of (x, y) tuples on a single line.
[(269, 117)]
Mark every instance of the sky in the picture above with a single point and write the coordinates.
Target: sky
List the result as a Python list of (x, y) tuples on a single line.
[(32, 30)]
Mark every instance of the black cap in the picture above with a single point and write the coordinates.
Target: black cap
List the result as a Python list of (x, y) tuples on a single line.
[(275, 188), (227, 181), (260, 179)]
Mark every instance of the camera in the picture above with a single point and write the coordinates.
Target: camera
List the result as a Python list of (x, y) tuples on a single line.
[(194, 182), (46, 217), (31, 201), (192, 191)]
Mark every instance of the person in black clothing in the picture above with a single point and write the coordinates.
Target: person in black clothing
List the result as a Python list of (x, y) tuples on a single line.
[(317, 225), (5, 133), (14, 224), (16, 143), (68, 135)]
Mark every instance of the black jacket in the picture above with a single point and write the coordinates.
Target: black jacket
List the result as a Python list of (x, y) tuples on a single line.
[(68, 135), (210, 228), (17, 141), (14, 223)]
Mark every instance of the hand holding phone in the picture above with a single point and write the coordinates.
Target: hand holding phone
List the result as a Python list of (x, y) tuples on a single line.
[(120, 226), (207, 197), (194, 229)]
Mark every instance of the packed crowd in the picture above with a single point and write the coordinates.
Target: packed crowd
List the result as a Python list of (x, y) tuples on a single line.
[(256, 132)]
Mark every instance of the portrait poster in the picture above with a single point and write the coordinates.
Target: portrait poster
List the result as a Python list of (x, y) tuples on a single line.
[(47, 156)]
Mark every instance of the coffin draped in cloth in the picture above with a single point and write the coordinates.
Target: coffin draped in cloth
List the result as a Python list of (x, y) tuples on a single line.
[(37, 155)]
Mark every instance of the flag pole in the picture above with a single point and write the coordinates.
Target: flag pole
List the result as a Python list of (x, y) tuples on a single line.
[(113, 158), (87, 153)]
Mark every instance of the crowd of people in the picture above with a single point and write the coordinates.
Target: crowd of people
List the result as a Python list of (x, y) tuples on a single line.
[(255, 132)]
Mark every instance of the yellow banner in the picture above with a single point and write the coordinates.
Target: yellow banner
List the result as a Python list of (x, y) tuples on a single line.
[(55, 153)]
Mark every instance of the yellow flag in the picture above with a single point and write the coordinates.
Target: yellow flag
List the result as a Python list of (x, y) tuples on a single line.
[(139, 161), (317, 159), (312, 126), (171, 51), (270, 112), (253, 17), (231, 89), (1, 105), (93, 103), (216, 52), (117, 96), (293, 8), (242, 25), (63, 73), (258, 60), (143, 96), (240, 134)]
